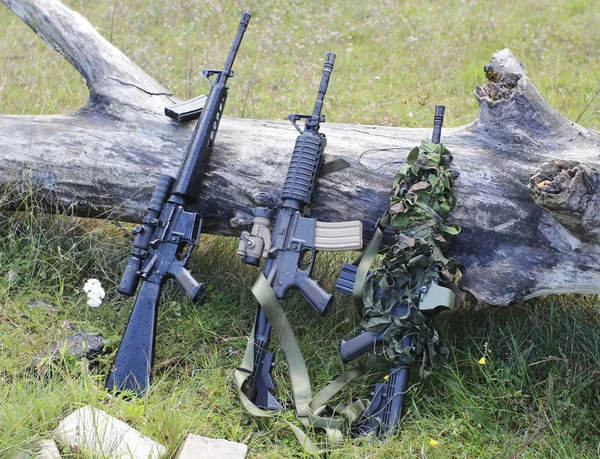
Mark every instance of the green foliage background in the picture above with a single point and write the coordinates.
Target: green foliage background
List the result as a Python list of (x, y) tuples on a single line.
[(538, 393)]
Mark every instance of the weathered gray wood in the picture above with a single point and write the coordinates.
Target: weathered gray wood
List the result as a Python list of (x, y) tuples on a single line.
[(103, 160), (110, 75)]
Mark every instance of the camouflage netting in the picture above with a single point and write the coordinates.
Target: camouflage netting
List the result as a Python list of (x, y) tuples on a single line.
[(420, 200)]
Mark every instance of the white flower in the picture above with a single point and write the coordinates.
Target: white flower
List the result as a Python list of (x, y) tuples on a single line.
[(94, 302), (95, 292)]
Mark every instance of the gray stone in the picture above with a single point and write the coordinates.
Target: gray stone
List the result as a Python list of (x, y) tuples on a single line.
[(199, 447), (20, 455), (82, 344), (48, 450), (92, 431), (85, 344), (45, 305)]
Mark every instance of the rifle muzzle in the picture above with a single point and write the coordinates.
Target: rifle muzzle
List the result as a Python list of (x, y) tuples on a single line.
[(438, 122)]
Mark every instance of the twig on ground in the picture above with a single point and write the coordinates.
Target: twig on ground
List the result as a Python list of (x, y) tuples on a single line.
[(168, 363), (539, 431)]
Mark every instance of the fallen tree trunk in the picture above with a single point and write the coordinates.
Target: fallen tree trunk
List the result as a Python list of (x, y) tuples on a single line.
[(515, 244)]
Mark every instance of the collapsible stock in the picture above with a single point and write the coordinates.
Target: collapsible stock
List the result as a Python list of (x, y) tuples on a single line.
[(383, 414)]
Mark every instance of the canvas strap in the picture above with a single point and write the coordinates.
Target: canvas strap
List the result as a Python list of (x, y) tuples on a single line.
[(309, 410)]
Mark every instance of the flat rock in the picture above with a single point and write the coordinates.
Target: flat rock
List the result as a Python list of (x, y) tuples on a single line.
[(92, 431), (45, 305), (85, 344), (48, 450), (82, 344), (20, 455), (199, 447)]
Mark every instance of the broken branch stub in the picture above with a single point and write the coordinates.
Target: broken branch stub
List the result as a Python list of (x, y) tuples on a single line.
[(568, 190)]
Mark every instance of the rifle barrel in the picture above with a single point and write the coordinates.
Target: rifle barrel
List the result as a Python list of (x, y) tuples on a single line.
[(234, 47), (188, 184), (438, 121), (327, 69)]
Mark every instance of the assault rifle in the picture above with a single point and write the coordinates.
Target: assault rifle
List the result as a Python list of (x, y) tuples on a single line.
[(291, 249), (383, 413), (165, 241)]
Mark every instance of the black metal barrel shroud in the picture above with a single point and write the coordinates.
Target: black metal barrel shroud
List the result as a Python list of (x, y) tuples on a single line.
[(308, 151)]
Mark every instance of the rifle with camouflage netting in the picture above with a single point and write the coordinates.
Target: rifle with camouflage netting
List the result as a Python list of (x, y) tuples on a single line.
[(412, 281)]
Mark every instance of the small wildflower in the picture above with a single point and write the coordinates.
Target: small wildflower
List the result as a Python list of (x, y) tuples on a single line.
[(386, 377), (432, 442), (486, 350), (95, 292)]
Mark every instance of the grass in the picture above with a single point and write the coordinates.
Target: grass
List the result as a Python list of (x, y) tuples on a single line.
[(396, 61), (537, 395)]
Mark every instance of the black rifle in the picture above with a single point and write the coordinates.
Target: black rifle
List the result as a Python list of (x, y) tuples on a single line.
[(165, 241), (290, 255), (383, 414)]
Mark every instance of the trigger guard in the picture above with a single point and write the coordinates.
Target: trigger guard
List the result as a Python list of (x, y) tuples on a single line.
[(306, 265)]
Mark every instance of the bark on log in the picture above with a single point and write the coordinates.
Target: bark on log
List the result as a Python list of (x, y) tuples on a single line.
[(515, 244)]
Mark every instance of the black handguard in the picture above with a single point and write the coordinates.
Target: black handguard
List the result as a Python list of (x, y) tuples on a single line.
[(165, 241), (385, 410), (291, 249)]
